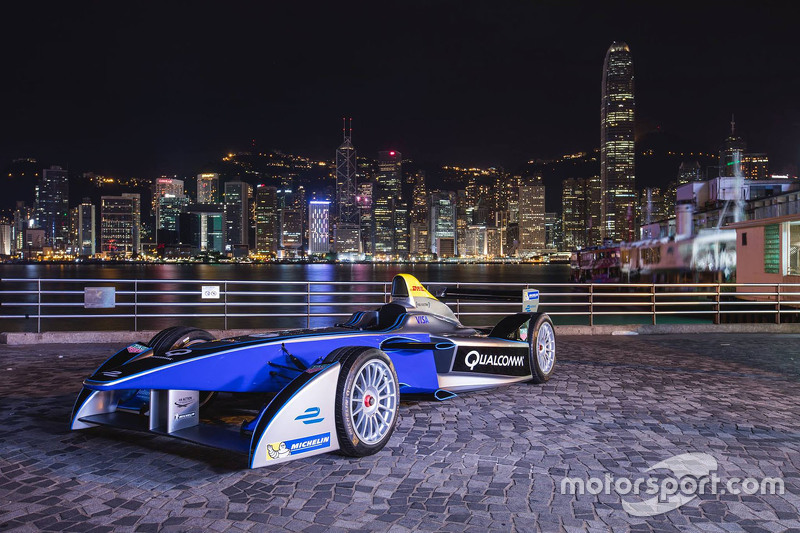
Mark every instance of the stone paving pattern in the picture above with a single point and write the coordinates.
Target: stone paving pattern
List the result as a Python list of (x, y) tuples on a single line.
[(490, 460)]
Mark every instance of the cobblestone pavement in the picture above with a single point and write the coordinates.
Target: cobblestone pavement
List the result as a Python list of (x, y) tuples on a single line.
[(482, 461)]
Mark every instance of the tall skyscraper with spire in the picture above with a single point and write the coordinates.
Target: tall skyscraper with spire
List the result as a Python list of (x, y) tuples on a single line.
[(346, 229), (617, 145)]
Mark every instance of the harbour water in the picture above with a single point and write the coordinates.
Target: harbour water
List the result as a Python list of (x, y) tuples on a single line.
[(425, 272)]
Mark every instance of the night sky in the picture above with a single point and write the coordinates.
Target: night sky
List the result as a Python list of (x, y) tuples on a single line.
[(140, 89)]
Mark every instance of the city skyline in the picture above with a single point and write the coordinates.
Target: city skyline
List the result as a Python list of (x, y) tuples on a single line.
[(153, 93)]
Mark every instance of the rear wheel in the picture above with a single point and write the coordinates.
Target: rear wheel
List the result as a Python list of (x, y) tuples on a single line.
[(542, 348), (367, 400), (178, 337)]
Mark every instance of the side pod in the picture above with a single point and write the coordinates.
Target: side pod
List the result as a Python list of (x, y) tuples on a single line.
[(300, 420)]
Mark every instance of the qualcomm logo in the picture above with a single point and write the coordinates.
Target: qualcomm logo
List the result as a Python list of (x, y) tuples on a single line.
[(474, 358), (310, 416)]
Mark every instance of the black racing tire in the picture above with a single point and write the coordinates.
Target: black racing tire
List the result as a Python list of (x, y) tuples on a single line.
[(178, 337), (365, 419), (542, 342)]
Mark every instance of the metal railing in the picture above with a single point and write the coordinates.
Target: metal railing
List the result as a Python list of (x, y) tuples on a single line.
[(38, 304)]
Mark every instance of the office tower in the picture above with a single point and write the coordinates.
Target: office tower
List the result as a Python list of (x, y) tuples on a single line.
[(82, 228), (443, 211), (52, 206), (207, 188), (366, 218), (574, 212), (23, 218), (419, 198), (652, 206), (119, 217), (164, 186), (291, 231), (168, 215), (202, 226), (318, 227), (419, 244), (5, 239), (388, 189), (346, 210), (266, 218), (401, 242), (731, 153), (169, 201), (531, 217), (594, 213), (617, 145), (689, 171), (237, 214), (136, 234), (553, 236), (346, 228), (755, 166)]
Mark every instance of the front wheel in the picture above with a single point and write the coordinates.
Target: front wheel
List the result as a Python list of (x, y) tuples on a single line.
[(367, 400), (178, 337), (542, 348)]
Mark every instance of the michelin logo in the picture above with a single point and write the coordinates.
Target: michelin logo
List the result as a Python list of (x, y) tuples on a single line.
[(279, 450), (474, 358)]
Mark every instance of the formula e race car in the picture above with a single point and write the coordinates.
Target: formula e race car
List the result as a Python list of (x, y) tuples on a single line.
[(335, 388)]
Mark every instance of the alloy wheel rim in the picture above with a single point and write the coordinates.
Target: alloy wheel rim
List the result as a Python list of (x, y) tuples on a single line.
[(546, 347), (373, 403)]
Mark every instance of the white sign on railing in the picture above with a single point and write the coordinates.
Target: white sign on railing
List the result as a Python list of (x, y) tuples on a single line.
[(99, 297), (210, 292)]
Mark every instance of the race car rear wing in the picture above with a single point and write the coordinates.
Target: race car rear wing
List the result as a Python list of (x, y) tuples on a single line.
[(528, 297)]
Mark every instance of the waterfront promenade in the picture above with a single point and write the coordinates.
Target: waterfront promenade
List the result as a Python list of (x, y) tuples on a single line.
[(490, 460)]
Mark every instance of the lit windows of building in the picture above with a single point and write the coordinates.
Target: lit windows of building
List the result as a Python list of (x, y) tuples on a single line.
[(238, 195), (318, 227), (531, 218), (119, 221), (617, 174), (52, 206), (208, 188), (266, 218)]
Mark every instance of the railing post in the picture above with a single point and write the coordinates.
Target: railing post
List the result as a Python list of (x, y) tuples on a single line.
[(308, 305), (653, 301), (591, 304), (136, 305), (718, 317), (778, 304), (39, 306), (458, 303), (225, 304)]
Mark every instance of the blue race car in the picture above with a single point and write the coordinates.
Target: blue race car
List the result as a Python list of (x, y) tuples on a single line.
[(335, 388)]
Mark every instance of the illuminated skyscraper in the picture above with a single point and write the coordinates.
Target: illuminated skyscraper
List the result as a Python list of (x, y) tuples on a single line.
[(617, 145), (266, 219), (82, 228), (207, 188), (731, 154), (443, 214), (237, 214), (346, 230), (532, 233), (169, 201), (386, 201), (318, 228), (346, 210), (119, 220), (52, 206)]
